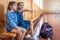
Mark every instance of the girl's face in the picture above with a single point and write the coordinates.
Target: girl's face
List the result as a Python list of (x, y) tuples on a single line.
[(14, 7), (21, 6)]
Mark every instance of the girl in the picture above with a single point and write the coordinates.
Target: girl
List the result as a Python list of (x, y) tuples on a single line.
[(26, 24), (12, 20)]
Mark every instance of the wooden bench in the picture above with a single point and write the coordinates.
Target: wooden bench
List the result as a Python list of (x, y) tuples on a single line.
[(8, 36)]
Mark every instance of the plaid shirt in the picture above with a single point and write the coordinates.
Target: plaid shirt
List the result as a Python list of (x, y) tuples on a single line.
[(15, 19)]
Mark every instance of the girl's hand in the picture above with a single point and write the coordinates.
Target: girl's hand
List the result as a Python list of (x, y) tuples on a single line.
[(17, 28), (29, 10)]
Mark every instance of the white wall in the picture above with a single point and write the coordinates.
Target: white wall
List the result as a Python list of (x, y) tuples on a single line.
[(51, 4), (39, 3)]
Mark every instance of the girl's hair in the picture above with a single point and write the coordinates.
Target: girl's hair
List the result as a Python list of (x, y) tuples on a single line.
[(11, 3), (19, 3)]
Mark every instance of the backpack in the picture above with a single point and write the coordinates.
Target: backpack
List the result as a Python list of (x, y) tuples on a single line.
[(46, 30)]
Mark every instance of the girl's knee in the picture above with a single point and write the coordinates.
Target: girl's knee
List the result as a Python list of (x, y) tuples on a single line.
[(24, 31)]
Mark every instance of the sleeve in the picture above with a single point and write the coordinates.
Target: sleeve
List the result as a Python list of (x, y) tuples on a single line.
[(10, 21), (20, 15), (20, 19)]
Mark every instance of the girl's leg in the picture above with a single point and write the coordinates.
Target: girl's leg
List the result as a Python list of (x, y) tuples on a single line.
[(18, 33), (31, 29), (23, 33)]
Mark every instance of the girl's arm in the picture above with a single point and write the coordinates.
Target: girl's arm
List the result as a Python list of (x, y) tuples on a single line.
[(10, 21), (28, 10)]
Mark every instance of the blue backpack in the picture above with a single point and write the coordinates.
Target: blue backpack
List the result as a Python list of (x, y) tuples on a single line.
[(46, 30)]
